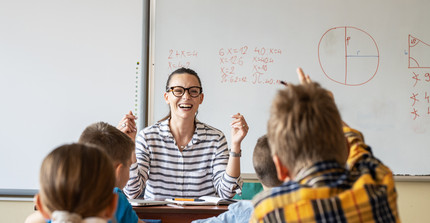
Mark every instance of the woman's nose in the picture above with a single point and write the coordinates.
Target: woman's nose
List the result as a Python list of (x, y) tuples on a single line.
[(186, 94)]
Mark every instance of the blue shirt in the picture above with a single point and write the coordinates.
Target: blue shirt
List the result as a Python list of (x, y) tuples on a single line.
[(124, 212), (237, 212)]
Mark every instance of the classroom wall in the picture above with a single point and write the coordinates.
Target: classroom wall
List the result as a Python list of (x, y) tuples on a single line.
[(414, 200), (15, 211)]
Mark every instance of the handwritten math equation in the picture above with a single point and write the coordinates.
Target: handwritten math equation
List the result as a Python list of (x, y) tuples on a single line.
[(419, 98), (246, 64), (180, 58), (241, 64)]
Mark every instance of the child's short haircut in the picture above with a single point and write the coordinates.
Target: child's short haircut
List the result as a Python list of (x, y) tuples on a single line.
[(263, 163), (77, 178), (305, 127), (117, 144)]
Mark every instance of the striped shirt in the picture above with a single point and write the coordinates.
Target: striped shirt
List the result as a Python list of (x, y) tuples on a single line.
[(162, 171), (328, 192)]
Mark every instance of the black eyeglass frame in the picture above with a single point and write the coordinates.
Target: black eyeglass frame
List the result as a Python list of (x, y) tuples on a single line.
[(185, 89)]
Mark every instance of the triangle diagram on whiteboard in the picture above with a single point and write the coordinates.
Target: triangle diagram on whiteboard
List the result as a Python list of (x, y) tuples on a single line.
[(419, 53)]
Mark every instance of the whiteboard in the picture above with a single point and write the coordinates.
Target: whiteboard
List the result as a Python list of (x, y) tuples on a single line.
[(63, 65), (373, 55)]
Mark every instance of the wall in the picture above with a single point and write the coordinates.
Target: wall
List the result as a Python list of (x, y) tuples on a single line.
[(15, 211), (413, 203)]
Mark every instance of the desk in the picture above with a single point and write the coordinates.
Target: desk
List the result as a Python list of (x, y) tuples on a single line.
[(174, 213)]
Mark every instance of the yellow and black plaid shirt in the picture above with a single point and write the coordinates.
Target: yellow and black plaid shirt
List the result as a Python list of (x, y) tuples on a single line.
[(328, 192)]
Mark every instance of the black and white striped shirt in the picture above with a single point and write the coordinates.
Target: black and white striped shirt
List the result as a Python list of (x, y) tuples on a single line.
[(162, 171)]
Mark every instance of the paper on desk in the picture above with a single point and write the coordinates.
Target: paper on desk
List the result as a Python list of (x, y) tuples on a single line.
[(208, 200)]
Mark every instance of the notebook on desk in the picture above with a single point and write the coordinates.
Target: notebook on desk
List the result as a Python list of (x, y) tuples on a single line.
[(143, 202), (202, 201)]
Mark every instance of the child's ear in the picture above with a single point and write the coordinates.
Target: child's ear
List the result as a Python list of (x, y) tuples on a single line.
[(118, 172), (110, 210), (118, 168), (281, 170), (40, 208)]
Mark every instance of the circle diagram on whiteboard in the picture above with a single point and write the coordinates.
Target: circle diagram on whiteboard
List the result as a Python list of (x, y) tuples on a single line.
[(348, 55)]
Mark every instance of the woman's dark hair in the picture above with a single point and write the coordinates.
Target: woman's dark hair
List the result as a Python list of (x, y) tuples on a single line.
[(181, 70)]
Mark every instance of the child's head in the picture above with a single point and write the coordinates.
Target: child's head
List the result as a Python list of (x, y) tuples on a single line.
[(305, 127), (116, 144), (78, 179), (263, 164)]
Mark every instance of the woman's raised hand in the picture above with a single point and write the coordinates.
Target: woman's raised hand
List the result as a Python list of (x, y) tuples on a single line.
[(127, 125), (239, 129)]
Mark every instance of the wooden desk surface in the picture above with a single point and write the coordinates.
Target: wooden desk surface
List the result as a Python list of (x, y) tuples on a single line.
[(175, 213)]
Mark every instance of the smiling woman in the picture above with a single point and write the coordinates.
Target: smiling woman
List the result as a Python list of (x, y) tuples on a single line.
[(188, 103), (179, 156)]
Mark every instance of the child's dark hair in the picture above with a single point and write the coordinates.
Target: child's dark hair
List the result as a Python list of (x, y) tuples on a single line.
[(263, 163), (116, 144)]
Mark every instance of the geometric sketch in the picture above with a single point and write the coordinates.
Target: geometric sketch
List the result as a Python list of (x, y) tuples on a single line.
[(419, 53), (348, 55)]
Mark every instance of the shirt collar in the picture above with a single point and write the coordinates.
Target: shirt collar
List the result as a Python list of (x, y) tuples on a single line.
[(200, 131), (321, 173)]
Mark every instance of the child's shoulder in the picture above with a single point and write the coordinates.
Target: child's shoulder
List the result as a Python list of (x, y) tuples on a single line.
[(124, 211), (117, 190)]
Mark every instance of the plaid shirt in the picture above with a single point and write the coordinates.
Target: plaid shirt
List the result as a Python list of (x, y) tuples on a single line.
[(328, 192)]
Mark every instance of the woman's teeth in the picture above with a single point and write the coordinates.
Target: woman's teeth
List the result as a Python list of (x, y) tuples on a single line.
[(185, 106)]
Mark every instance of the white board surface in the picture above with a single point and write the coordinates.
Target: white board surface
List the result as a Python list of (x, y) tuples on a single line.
[(373, 55), (63, 66)]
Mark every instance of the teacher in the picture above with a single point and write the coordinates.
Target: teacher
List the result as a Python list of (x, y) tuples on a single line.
[(179, 156)]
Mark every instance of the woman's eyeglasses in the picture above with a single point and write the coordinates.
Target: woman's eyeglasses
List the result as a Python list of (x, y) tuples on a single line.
[(178, 91)]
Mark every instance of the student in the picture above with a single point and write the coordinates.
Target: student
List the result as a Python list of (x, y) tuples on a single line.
[(120, 148), (68, 178), (266, 173), (179, 156), (308, 145)]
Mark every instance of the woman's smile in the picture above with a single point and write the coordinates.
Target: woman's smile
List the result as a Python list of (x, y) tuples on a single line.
[(185, 106)]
